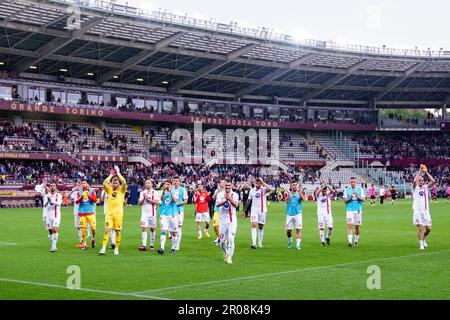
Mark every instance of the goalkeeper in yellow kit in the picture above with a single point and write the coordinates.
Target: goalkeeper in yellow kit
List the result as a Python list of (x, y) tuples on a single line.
[(115, 187)]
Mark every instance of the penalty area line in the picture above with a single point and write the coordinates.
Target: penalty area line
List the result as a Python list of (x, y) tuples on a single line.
[(275, 274), (49, 285)]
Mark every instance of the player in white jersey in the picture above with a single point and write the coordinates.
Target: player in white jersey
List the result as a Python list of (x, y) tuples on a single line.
[(324, 215), (148, 199), (258, 197), (112, 233), (227, 201), (421, 205), (52, 214)]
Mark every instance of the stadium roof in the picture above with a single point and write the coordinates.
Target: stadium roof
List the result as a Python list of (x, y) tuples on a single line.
[(106, 45)]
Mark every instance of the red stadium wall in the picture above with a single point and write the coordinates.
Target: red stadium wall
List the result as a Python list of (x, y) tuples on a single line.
[(229, 122)]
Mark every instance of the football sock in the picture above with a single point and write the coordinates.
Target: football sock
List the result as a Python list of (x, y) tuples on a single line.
[(144, 238), (112, 235), (175, 241), (254, 236), (199, 233), (179, 237), (118, 238), (105, 239), (322, 236), (350, 238), (79, 234), (356, 238), (329, 232), (299, 241), (152, 238), (55, 239), (83, 235), (162, 239), (260, 235), (290, 239)]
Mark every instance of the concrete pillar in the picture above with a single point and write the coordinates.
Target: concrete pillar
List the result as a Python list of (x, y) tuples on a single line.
[(444, 112)]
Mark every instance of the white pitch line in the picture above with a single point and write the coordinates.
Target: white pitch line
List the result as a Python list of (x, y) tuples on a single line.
[(49, 285), (4, 244), (285, 272)]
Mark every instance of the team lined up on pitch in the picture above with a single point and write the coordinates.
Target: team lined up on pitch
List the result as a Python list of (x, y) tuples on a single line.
[(174, 197)]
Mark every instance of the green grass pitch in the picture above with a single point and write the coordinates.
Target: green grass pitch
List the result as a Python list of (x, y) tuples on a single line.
[(29, 271)]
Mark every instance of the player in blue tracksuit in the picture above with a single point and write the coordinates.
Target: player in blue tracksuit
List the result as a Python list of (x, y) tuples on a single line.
[(182, 199), (354, 196)]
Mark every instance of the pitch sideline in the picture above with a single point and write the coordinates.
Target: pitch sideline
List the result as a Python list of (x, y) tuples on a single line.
[(49, 285), (285, 272)]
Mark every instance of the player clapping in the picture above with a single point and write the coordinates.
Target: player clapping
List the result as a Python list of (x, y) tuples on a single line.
[(324, 215), (148, 199), (294, 217), (227, 201), (52, 214), (86, 200), (421, 206), (168, 215), (114, 214), (354, 197), (201, 199), (258, 196)]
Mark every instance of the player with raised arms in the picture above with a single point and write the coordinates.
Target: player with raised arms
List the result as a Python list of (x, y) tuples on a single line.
[(421, 205), (201, 199), (294, 214), (168, 216), (114, 211), (148, 199), (354, 198), (227, 201), (258, 213), (52, 214), (87, 200), (324, 214)]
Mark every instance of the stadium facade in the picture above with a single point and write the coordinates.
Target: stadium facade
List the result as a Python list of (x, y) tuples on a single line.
[(115, 69)]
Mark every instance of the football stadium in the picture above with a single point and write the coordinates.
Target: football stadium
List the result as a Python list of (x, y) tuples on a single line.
[(146, 155)]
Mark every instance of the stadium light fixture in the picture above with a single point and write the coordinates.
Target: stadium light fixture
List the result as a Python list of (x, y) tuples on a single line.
[(63, 70), (116, 77), (33, 67), (2, 63), (165, 82), (140, 79), (90, 74)]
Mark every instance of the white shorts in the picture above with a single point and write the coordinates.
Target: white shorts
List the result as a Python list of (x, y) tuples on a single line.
[(168, 223), (324, 220), (51, 221), (294, 222), (354, 217), (259, 217), (202, 217), (227, 231), (422, 217), (148, 221), (76, 221), (180, 218)]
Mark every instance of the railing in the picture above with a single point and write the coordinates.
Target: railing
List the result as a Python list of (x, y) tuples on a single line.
[(345, 144), (263, 33)]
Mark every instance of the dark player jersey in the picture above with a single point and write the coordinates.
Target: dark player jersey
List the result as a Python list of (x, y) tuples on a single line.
[(245, 194)]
